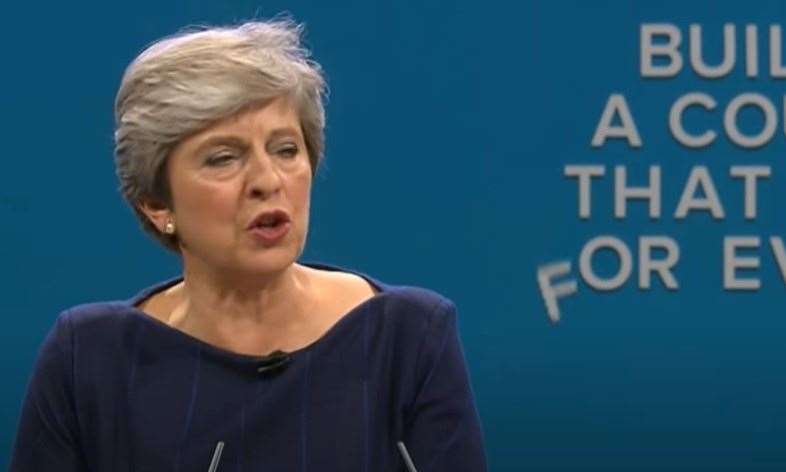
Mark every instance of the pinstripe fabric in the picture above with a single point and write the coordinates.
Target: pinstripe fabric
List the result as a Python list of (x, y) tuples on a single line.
[(134, 362), (304, 414), (116, 390), (196, 369), (242, 445), (366, 439)]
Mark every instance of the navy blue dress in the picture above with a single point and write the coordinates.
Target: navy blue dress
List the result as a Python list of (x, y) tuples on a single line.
[(114, 389)]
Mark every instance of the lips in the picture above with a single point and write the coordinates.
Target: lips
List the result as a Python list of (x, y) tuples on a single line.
[(269, 227), (269, 219)]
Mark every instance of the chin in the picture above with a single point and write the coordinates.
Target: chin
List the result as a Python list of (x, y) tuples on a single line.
[(273, 260)]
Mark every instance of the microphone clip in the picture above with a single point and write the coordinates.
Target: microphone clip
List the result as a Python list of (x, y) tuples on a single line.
[(273, 362)]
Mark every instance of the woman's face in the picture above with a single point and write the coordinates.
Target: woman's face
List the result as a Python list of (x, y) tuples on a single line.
[(240, 191)]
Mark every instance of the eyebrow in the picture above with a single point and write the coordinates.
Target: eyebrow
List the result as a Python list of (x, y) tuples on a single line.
[(233, 140)]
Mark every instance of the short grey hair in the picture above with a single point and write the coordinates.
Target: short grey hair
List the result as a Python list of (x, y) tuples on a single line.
[(184, 83)]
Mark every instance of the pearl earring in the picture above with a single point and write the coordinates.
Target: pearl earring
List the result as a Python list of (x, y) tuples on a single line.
[(169, 228)]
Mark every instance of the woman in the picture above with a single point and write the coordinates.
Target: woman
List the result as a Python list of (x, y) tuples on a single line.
[(250, 360)]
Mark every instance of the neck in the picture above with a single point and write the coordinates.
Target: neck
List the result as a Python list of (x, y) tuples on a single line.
[(243, 313)]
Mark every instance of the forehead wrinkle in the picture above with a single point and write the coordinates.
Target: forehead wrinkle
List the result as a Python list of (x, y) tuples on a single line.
[(285, 131), (277, 114), (218, 139)]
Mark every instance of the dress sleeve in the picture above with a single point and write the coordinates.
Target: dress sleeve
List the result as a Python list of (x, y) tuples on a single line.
[(443, 432), (47, 436)]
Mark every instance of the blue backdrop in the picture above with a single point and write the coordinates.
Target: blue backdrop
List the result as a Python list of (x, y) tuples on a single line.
[(449, 128)]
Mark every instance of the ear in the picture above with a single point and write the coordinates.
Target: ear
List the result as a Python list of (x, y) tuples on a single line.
[(157, 213)]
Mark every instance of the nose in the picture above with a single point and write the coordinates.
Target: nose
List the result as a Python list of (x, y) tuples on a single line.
[(263, 177)]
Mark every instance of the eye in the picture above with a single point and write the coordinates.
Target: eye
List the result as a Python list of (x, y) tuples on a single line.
[(220, 160), (288, 151)]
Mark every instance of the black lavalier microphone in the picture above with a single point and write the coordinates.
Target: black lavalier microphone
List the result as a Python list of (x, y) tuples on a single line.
[(273, 362)]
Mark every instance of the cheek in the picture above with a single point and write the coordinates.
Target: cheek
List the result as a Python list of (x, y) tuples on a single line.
[(199, 204), (302, 194)]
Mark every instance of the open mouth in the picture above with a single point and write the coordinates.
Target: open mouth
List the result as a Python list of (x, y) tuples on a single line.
[(270, 221), (270, 226)]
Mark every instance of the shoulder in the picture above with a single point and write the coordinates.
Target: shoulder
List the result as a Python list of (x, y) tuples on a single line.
[(418, 301), (408, 313), (79, 332), (404, 303), (94, 330), (94, 315), (416, 298), (113, 314), (417, 313)]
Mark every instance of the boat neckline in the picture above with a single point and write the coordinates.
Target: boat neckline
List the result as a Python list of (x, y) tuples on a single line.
[(131, 304)]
